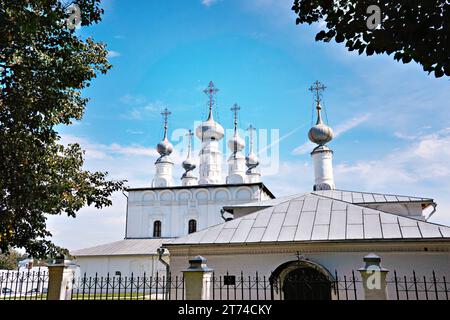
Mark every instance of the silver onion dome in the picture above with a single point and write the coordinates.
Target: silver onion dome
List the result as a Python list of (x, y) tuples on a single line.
[(189, 164), (251, 161), (209, 130), (164, 147), (236, 143), (320, 133)]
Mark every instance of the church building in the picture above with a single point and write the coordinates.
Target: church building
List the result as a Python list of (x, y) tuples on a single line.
[(239, 226), (165, 211)]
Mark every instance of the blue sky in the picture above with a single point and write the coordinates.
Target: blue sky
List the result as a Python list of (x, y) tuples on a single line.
[(391, 119)]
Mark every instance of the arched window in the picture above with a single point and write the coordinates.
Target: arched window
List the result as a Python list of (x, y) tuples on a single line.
[(192, 226), (157, 229)]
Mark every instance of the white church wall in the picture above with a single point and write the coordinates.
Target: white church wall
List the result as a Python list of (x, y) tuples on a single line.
[(175, 207), (127, 264), (423, 263), (404, 263)]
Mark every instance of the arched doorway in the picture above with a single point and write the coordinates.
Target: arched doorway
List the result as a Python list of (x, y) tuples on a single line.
[(306, 284), (302, 280)]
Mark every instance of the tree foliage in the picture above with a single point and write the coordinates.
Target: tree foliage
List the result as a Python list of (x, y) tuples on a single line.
[(412, 30), (44, 66), (11, 260)]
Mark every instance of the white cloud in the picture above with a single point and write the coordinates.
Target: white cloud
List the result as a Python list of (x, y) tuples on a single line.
[(350, 124), (209, 3), (424, 160), (308, 146), (134, 131), (113, 54), (96, 151), (142, 108)]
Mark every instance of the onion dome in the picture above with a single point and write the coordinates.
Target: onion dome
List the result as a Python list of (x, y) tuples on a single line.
[(236, 143), (320, 133), (251, 161), (210, 130), (189, 164), (164, 148)]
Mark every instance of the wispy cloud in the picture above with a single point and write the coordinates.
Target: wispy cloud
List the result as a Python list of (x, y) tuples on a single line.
[(137, 132), (141, 107), (350, 124), (130, 99), (98, 151), (209, 3), (341, 128), (113, 54)]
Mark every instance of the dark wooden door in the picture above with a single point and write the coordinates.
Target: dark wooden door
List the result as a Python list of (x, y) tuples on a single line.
[(306, 284)]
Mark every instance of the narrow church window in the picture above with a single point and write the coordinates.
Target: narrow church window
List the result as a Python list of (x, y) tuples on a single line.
[(157, 229), (192, 226)]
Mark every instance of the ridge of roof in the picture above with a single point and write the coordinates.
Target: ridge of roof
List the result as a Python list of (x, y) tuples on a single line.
[(417, 199)]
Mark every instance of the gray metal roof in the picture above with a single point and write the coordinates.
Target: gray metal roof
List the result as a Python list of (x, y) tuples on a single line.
[(311, 217), (123, 247), (368, 197), (263, 204)]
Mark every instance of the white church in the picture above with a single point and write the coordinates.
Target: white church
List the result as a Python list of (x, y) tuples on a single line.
[(237, 224)]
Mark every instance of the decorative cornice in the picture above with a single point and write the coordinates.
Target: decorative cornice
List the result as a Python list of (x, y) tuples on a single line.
[(309, 247)]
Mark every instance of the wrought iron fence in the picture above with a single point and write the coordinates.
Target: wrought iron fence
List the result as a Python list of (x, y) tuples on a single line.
[(23, 285), (153, 287), (419, 287), (32, 285), (257, 287)]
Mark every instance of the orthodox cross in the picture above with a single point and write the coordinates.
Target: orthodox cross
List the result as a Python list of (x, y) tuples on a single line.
[(235, 110), (189, 135), (316, 89), (210, 91), (166, 113)]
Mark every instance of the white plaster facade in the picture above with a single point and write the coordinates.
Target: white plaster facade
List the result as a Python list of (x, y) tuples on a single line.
[(175, 206), (264, 258)]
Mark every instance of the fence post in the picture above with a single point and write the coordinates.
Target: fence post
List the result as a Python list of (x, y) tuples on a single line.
[(59, 281), (197, 280), (374, 278)]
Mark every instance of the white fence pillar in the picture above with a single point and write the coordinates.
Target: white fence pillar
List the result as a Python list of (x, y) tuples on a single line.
[(59, 282), (373, 277), (197, 279)]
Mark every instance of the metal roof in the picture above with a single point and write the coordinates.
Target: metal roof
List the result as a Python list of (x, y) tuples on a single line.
[(369, 197), (311, 217), (123, 247), (263, 204)]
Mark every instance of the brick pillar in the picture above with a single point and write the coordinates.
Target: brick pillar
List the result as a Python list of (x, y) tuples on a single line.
[(197, 280), (374, 278), (59, 281)]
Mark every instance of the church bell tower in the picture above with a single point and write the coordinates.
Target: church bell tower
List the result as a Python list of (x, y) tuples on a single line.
[(322, 155)]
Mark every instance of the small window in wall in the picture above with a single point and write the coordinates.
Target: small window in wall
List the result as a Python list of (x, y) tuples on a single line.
[(192, 226), (157, 229)]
